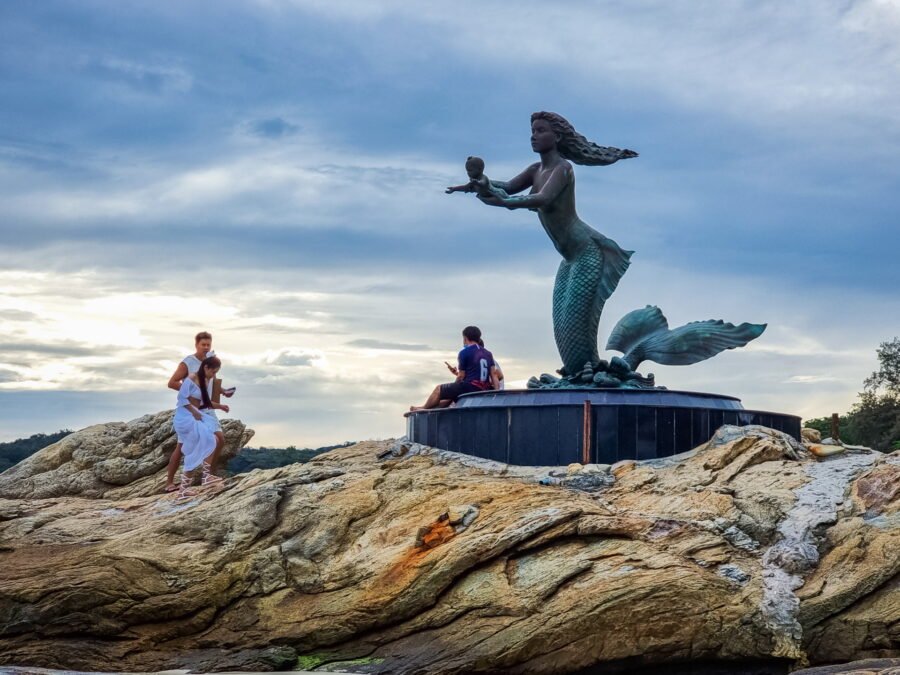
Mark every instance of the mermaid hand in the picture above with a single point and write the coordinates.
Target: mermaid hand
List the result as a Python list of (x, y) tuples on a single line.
[(492, 200)]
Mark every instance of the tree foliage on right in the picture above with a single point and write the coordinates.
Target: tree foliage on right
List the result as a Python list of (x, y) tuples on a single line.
[(876, 416), (874, 420)]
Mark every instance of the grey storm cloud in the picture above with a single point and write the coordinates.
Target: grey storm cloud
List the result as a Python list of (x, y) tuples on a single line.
[(58, 349), (290, 359), (172, 155), (149, 78), (371, 343), (17, 315), (274, 127)]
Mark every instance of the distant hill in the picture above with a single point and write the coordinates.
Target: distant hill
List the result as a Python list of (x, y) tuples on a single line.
[(272, 458), (15, 451)]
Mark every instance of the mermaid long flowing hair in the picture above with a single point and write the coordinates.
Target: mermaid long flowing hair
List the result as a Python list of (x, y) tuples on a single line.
[(575, 147), (208, 362)]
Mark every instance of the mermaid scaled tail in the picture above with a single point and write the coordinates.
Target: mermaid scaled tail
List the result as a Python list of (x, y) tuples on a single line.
[(644, 335), (582, 287)]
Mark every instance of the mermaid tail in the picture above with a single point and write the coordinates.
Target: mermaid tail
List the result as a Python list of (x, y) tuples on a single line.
[(582, 287), (644, 335)]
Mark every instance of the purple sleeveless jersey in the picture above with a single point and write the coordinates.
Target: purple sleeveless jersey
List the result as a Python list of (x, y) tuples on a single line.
[(476, 363)]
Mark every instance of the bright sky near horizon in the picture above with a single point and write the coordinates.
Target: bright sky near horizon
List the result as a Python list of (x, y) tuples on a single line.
[(273, 172)]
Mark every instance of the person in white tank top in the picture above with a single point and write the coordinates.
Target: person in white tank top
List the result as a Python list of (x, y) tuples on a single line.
[(187, 367)]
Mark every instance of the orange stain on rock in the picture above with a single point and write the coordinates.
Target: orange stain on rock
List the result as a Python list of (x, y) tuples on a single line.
[(435, 534), (427, 539)]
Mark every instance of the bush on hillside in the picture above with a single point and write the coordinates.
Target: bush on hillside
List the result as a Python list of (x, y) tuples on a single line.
[(13, 452), (272, 458)]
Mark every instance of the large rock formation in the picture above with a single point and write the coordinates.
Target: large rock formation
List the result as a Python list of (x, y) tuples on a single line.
[(864, 667), (395, 558), (108, 461)]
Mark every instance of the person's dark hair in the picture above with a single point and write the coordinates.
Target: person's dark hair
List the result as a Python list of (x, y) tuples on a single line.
[(575, 147), (472, 333), (208, 362), (202, 335)]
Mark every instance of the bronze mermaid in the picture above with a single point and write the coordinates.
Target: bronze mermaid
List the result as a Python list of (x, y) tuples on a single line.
[(591, 268)]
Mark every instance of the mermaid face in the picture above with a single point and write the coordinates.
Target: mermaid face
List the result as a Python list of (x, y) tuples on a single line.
[(543, 138)]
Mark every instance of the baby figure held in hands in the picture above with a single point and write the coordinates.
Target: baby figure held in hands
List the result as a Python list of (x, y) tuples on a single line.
[(478, 182)]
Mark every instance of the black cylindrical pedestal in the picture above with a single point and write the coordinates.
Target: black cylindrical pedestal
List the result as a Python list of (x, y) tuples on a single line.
[(547, 426)]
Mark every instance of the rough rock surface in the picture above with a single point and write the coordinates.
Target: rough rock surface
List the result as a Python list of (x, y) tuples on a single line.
[(864, 667), (810, 435), (397, 558), (110, 461)]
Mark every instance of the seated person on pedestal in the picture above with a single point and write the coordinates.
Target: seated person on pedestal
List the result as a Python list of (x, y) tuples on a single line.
[(472, 374)]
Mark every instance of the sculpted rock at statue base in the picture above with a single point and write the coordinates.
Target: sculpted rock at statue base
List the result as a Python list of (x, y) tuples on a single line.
[(397, 558)]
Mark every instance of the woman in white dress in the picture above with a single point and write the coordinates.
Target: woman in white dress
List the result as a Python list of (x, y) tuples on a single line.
[(188, 366), (197, 426)]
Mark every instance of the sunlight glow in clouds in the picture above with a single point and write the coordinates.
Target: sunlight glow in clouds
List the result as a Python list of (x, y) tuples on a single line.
[(274, 171)]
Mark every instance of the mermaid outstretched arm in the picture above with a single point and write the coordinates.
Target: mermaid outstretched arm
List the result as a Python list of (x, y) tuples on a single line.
[(557, 182), (521, 182)]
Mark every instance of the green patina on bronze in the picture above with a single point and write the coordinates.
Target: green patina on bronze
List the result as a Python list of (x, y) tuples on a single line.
[(591, 268)]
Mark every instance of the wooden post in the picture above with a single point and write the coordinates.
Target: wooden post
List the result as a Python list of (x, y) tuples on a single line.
[(586, 434), (835, 427)]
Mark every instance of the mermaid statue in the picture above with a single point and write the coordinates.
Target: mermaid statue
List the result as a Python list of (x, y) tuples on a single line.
[(590, 270)]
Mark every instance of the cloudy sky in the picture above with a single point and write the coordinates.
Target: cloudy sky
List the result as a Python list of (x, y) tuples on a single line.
[(273, 171)]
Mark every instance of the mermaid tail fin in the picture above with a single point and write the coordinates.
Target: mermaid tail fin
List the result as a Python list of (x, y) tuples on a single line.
[(644, 335), (615, 263), (635, 326)]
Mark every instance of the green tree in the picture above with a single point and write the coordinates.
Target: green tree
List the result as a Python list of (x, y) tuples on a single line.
[(887, 378), (875, 418), (845, 424), (271, 458)]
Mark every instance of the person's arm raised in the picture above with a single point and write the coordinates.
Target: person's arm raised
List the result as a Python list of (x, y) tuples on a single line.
[(460, 369)]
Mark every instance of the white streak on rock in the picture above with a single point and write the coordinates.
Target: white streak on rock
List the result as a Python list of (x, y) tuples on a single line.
[(796, 552)]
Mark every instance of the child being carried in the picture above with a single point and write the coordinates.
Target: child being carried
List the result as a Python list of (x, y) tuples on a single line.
[(478, 182)]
